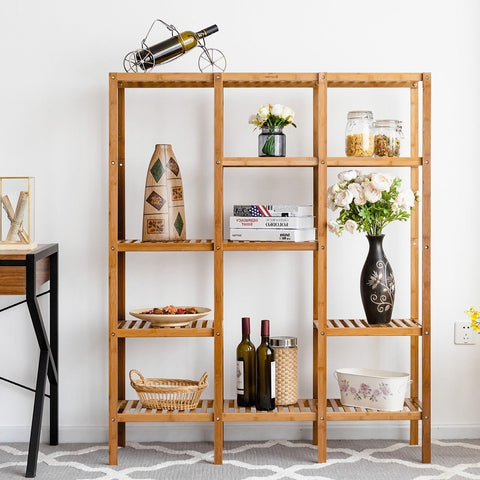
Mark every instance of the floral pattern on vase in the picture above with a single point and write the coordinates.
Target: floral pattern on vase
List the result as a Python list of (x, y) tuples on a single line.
[(377, 283), (365, 391)]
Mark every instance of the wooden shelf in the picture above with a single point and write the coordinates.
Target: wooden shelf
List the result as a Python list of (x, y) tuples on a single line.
[(141, 328), (374, 161), (303, 410), (163, 80), (267, 80), (220, 410), (134, 411), (270, 161), (268, 246), (373, 80), (134, 245), (360, 327), (270, 80), (412, 410)]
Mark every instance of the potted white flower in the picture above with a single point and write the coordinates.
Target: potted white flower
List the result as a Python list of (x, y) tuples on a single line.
[(368, 203), (271, 119)]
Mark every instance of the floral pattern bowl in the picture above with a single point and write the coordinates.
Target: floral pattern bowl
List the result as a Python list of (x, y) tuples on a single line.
[(376, 389)]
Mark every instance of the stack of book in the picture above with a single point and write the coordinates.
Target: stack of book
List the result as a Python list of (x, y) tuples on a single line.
[(272, 223)]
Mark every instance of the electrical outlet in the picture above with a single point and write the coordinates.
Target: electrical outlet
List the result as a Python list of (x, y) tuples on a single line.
[(464, 334)]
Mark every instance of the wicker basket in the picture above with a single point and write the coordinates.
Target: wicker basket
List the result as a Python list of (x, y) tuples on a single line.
[(168, 394)]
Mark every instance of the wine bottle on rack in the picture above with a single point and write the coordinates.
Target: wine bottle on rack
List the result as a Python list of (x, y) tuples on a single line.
[(265, 371), (246, 367), (172, 48)]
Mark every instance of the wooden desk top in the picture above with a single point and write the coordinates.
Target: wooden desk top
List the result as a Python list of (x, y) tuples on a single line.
[(12, 254)]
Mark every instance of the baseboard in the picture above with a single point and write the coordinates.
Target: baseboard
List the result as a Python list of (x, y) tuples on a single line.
[(184, 432)]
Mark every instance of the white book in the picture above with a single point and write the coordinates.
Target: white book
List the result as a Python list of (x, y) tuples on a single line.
[(271, 222), (272, 210), (273, 235)]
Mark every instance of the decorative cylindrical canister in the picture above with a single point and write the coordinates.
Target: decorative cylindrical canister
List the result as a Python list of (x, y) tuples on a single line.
[(285, 354)]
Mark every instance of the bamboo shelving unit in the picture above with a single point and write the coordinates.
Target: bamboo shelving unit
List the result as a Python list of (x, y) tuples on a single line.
[(319, 409)]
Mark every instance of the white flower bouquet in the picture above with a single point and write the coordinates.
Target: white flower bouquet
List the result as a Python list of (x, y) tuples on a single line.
[(272, 116), (368, 203)]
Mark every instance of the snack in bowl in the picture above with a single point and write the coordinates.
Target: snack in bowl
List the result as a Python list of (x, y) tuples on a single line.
[(170, 315), (171, 310)]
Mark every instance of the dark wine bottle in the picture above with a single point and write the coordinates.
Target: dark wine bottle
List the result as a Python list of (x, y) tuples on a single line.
[(172, 48), (265, 371), (245, 367)]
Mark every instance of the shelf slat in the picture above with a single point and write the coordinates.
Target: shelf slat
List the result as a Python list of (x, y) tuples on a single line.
[(412, 410), (303, 410), (374, 161), (281, 80), (375, 80), (359, 327), (270, 162), (163, 80), (141, 328), (135, 245), (266, 80), (134, 411), (262, 246)]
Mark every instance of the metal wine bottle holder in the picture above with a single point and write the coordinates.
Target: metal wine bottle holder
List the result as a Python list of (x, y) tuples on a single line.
[(143, 60)]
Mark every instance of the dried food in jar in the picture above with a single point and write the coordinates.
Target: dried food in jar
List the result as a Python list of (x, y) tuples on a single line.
[(386, 146), (359, 134), (358, 145)]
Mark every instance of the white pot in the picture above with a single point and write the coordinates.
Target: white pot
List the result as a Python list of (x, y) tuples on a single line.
[(376, 389)]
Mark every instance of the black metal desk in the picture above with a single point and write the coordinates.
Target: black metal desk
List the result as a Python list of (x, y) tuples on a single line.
[(22, 273)]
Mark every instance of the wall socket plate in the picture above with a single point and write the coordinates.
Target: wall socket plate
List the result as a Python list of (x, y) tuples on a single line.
[(464, 333)]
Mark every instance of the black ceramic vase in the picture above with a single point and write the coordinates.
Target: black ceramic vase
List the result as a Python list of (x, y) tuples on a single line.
[(377, 285)]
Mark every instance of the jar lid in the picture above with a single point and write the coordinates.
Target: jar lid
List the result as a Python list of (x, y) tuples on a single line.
[(360, 114), (283, 342), (387, 123)]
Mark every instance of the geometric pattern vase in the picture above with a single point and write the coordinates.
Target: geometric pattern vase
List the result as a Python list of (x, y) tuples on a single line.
[(163, 206)]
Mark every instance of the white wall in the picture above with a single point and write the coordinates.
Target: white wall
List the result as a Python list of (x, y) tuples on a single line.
[(54, 125)]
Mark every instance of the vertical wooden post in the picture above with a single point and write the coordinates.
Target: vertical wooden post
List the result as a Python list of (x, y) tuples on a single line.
[(121, 255), (218, 269), (113, 268), (320, 263), (414, 257), (426, 266)]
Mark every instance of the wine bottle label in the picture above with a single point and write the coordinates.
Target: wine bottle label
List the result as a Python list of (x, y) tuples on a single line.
[(272, 377), (240, 377)]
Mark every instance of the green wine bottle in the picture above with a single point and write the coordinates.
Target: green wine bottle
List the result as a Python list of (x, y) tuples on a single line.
[(265, 371), (246, 367)]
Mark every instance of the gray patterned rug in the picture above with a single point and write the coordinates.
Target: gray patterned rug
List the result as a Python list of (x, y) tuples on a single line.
[(273, 460)]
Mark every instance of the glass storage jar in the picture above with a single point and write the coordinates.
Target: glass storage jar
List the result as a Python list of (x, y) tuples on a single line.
[(400, 134), (359, 134), (285, 354), (388, 134)]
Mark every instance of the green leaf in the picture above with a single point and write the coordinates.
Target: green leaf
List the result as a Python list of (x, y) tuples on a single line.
[(269, 146)]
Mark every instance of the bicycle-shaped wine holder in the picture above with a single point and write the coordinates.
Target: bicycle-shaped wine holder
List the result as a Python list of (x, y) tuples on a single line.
[(145, 58)]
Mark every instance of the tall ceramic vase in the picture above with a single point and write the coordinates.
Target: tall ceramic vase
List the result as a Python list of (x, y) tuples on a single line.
[(377, 284), (163, 206)]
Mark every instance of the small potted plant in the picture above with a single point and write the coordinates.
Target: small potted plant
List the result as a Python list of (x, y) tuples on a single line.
[(271, 119)]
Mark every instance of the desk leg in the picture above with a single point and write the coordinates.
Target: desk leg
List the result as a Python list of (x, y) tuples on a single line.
[(37, 415), (54, 347), (47, 362)]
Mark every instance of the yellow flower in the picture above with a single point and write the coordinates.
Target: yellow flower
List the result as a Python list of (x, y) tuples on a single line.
[(474, 316)]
